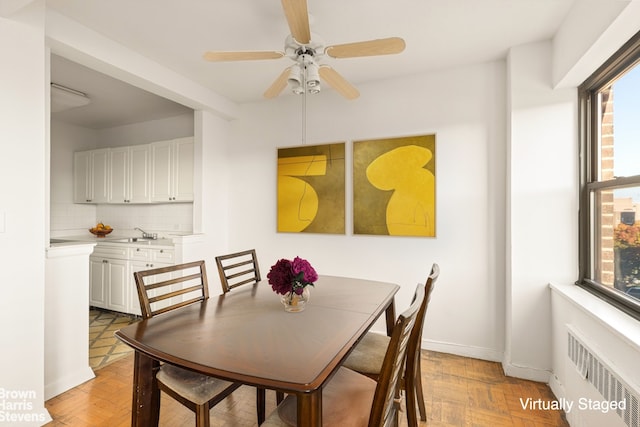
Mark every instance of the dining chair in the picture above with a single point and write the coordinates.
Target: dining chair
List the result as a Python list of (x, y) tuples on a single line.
[(238, 269), (164, 289), (368, 356), (355, 400)]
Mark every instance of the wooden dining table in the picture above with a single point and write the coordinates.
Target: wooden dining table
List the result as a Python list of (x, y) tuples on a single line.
[(246, 336)]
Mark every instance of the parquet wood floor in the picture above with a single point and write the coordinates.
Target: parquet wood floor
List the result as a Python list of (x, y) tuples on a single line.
[(459, 391)]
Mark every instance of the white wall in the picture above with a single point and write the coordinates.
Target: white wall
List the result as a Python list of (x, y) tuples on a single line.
[(465, 109), (66, 320), (22, 211), (211, 188), (589, 35), (541, 205), (67, 217), (145, 132)]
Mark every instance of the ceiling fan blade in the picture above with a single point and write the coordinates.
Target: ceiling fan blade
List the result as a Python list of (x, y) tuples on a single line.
[(298, 19), (387, 46), (278, 85), (338, 82), (242, 55)]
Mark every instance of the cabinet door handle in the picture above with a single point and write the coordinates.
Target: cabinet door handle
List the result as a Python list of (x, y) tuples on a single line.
[(161, 251), (105, 261)]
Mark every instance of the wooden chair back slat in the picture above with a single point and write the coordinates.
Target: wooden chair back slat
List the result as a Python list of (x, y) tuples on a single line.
[(413, 381), (175, 306), (170, 282), (384, 411), (232, 272), (238, 264), (174, 294), (159, 296)]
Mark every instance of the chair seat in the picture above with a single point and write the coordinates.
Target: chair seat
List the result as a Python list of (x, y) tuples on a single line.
[(346, 401), (369, 354), (194, 387)]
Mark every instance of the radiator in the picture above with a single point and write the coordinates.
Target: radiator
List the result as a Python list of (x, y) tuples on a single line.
[(594, 368)]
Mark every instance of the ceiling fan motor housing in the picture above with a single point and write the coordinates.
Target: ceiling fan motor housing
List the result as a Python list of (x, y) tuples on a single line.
[(295, 50)]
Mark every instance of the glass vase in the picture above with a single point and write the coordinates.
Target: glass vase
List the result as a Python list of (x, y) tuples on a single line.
[(294, 303)]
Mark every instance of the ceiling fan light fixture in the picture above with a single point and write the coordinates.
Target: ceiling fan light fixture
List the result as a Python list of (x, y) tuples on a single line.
[(313, 77), (298, 90), (315, 89), (295, 75)]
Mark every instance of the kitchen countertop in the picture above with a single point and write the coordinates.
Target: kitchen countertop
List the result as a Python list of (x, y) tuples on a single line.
[(111, 240)]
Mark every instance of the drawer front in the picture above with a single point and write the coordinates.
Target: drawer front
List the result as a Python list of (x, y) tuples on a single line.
[(166, 256), (111, 252), (140, 254)]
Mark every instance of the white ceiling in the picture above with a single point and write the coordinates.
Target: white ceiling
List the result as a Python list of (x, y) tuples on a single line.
[(113, 102), (439, 34)]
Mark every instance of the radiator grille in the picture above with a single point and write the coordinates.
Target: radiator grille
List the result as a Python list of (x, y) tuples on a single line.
[(608, 383)]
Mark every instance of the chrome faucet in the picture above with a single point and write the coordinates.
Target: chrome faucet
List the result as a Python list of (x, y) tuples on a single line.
[(146, 235)]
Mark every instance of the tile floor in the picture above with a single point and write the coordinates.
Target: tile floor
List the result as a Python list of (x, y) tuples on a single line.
[(104, 347)]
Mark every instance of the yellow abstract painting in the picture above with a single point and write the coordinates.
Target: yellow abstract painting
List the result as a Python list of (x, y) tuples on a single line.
[(311, 189), (394, 186)]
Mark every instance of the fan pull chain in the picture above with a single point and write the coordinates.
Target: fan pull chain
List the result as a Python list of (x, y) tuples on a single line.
[(304, 106)]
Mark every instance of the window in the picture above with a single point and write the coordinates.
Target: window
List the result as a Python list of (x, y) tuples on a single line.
[(609, 103)]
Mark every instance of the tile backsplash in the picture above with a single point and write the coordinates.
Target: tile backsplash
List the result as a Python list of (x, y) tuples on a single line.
[(69, 218)]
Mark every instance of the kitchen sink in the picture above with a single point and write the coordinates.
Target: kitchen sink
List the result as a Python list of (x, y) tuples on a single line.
[(142, 240), (131, 240)]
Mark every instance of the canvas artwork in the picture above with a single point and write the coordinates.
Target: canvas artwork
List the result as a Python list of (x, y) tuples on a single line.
[(311, 189), (394, 186)]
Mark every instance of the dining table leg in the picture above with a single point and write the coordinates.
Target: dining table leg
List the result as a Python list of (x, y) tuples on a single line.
[(390, 314), (310, 409), (145, 408)]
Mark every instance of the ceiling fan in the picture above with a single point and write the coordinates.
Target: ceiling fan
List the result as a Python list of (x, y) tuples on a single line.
[(304, 75)]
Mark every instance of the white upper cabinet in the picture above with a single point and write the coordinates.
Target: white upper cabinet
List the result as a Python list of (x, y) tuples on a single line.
[(160, 172), (91, 176), (119, 169), (82, 177), (172, 170), (140, 172), (100, 174), (129, 172)]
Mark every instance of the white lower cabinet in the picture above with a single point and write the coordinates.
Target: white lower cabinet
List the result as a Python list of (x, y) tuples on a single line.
[(98, 278), (108, 283), (156, 259), (118, 283), (111, 269)]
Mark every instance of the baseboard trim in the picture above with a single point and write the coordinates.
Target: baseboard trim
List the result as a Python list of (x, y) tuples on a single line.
[(523, 372), (463, 350), (526, 373), (68, 382)]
